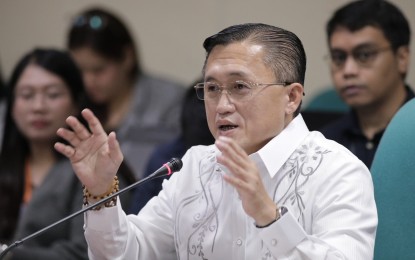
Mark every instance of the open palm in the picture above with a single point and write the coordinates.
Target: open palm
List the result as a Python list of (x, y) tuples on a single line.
[(95, 156)]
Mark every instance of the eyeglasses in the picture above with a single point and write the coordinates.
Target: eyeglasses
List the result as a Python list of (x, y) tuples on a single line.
[(363, 56), (94, 22), (238, 90)]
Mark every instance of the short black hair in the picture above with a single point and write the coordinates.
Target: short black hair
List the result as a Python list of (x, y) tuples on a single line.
[(377, 13), (284, 51)]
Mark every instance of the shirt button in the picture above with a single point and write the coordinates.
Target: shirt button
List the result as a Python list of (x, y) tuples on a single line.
[(369, 145), (239, 242), (274, 242)]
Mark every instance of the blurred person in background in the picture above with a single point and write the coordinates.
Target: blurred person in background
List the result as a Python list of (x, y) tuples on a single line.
[(195, 131), (143, 110), (37, 184), (369, 60)]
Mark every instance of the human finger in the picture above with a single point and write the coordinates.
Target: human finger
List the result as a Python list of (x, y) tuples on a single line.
[(233, 156), (115, 149), (78, 128), (236, 182), (93, 122), (69, 136), (66, 150)]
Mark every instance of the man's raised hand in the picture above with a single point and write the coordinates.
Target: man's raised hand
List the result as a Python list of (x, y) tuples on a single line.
[(95, 156)]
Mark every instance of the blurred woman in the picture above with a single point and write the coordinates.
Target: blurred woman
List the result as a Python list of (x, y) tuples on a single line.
[(37, 185), (144, 110)]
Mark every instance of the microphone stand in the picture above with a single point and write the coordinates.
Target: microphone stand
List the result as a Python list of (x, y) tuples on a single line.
[(156, 174)]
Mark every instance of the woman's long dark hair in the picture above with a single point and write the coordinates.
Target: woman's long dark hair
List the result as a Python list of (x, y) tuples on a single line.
[(15, 148), (104, 33)]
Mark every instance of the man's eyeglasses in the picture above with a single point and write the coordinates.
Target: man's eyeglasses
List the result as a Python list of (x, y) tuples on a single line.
[(363, 56), (238, 90), (94, 22)]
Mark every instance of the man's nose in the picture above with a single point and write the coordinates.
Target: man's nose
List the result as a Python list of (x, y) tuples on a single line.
[(225, 103), (350, 66)]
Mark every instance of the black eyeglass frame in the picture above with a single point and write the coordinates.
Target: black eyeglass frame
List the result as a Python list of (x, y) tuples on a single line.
[(363, 56)]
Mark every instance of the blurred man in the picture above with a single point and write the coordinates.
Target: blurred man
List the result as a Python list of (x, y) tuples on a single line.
[(369, 51)]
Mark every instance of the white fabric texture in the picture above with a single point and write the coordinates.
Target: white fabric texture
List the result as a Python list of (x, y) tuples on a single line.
[(328, 193)]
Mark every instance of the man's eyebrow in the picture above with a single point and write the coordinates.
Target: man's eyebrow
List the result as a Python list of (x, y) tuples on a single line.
[(209, 79), (365, 45), (357, 47), (232, 74)]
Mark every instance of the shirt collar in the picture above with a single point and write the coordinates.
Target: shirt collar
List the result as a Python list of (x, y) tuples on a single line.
[(352, 122), (276, 152)]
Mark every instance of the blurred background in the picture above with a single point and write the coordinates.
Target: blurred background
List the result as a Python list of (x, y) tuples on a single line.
[(169, 34)]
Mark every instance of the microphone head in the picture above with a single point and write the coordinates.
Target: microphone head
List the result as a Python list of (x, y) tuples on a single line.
[(175, 164)]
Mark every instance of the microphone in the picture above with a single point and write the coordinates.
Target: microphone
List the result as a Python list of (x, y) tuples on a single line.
[(174, 165)]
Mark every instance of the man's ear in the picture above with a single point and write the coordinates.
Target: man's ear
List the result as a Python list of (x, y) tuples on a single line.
[(403, 56), (295, 96)]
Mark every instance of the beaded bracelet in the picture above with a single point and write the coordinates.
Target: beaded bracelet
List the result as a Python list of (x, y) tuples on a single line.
[(110, 203)]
